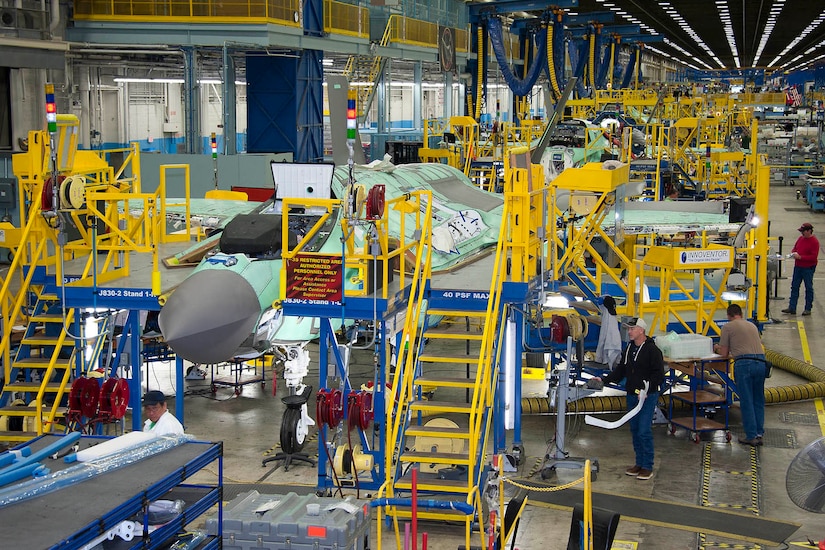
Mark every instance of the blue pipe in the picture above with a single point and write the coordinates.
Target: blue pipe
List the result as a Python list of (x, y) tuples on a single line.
[(631, 65), (518, 86), (10, 456), (462, 507), (17, 474), (54, 447)]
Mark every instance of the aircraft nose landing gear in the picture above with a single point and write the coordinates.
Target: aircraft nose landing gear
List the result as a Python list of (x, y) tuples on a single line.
[(294, 429)]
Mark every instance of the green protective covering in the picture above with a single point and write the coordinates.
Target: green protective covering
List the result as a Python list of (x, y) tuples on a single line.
[(466, 220)]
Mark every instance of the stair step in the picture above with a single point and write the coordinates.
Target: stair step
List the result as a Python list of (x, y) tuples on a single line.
[(445, 381), (32, 387), (402, 512), (572, 290), (448, 357), (452, 333), (453, 486), (441, 406), (40, 363), (427, 457), (30, 411), (586, 306), (456, 313), (47, 318), (49, 297), (46, 341), (437, 431), (17, 436)]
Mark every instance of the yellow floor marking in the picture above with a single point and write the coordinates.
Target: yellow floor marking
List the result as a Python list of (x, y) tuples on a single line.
[(803, 337), (820, 414)]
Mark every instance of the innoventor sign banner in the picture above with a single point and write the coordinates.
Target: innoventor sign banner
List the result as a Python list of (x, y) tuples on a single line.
[(702, 256)]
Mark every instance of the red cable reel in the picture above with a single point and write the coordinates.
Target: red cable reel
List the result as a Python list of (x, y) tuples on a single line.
[(74, 414), (89, 397), (360, 410), (375, 202), (329, 407), (114, 398)]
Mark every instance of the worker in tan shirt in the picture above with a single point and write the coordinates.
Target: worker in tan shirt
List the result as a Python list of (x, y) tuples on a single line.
[(740, 339)]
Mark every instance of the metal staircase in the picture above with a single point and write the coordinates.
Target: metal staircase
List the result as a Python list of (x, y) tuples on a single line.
[(40, 373), (369, 68), (446, 439)]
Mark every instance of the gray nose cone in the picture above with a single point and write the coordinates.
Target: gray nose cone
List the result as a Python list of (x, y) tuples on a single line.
[(209, 316)]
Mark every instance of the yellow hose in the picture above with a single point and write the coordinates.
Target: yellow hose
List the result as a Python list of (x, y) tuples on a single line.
[(479, 69), (550, 64), (592, 71), (815, 388), (610, 69)]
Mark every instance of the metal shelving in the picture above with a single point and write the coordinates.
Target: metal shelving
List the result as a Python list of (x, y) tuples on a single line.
[(707, 403), (76, 515)]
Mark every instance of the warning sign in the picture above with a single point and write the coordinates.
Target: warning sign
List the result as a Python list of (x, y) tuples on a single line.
[(314, 279)]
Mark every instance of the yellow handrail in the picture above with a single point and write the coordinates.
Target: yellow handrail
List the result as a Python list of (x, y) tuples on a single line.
[(9, 317)]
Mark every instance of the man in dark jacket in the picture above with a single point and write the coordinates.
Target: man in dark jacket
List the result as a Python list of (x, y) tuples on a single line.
[(641, 362)]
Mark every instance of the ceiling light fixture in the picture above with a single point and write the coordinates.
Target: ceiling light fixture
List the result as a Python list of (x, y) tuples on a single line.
[(724, 15), (808, 30), (678, 19), (766, 32), (130, 80)]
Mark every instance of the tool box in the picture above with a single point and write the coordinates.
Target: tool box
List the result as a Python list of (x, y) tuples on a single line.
[(292, 522)]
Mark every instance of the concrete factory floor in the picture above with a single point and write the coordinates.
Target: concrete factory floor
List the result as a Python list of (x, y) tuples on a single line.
[(712, 472)]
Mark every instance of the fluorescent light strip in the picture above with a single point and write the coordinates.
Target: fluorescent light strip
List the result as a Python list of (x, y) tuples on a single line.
[(808, 30), (675, 46), (667, 41), (678, 19), (120, 80), (776, 9), (807, 63), (724, 15), (672, 57)]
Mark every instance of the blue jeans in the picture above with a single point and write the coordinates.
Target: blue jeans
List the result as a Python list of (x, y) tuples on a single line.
[(802, 275), (641, 428), (749, 373)]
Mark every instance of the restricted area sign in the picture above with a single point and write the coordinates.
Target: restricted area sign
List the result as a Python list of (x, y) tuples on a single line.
[(313, 279)]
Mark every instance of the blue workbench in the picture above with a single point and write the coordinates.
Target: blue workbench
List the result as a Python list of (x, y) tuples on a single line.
[(75, 515)]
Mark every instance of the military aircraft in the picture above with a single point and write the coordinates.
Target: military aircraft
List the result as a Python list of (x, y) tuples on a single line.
[(224, 308)]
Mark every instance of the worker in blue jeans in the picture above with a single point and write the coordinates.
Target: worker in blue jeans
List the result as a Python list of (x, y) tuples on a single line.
[(740, 339), (641, 366), (805, 253)]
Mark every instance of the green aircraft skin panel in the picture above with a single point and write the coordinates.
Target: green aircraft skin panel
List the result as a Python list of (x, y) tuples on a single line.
[(468, 214)]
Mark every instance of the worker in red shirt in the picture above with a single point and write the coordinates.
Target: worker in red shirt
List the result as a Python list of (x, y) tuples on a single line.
[(805, 253)]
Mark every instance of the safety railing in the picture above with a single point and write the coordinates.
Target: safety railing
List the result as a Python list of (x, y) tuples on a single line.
[(284, 12), (346, 19), (10, 302)]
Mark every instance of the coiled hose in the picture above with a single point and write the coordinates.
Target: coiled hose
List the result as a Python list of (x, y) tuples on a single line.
[(591, 62), (781, 394), (551, 67), (479, 71)]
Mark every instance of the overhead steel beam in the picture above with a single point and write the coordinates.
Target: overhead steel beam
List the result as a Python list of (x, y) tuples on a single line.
[(587, 18), (646, 38), (510, 6), (607, 30)]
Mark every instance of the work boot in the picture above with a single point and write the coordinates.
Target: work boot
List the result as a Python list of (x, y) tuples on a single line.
[(633, 470)]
